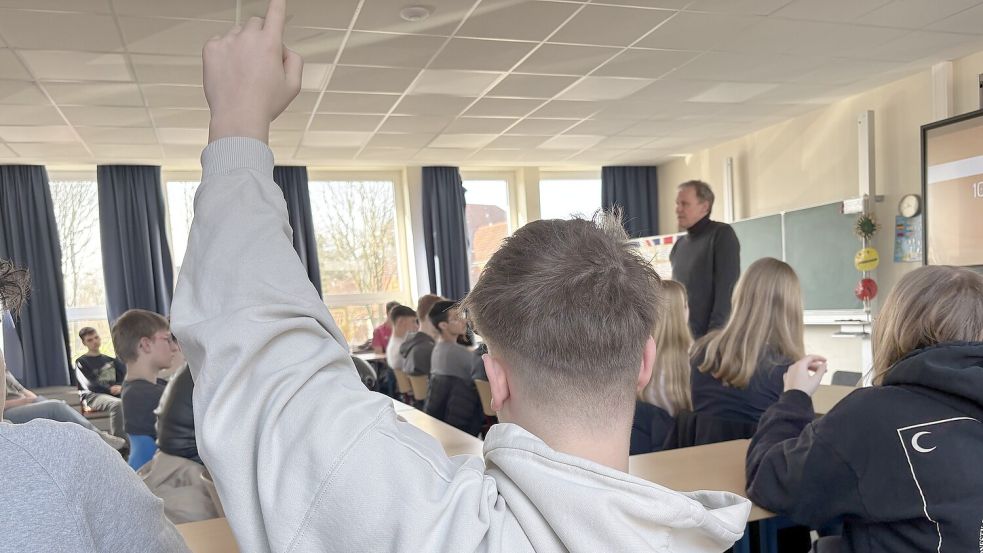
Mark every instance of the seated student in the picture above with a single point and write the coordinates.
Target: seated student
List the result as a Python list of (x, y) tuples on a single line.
[(448, 357), (100, 380), (478, 363), (23, 405), (668, 391), (737, 371), (452, 396), (144, 342), (64, 490), (382, 333), (404, 322), (564, 374), (898, 463), (418, 347)]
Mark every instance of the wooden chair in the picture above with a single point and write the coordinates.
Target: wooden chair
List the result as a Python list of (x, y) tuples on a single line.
[(484, 392), (404, 387), (420, 384)]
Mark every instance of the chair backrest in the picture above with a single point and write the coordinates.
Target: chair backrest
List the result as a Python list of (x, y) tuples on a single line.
[(484, 392), (142, 449), (420, 383), (700, 429), (846, 378), (212, 492), (403, 384), (365, 372)]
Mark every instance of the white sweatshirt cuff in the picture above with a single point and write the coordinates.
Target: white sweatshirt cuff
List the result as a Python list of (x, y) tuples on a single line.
[(237, 152)]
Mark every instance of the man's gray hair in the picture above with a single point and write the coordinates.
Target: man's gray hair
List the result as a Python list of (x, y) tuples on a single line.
[(703, 191)]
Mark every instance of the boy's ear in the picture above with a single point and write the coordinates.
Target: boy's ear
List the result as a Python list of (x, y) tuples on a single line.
[(498, 380), (648, 363)]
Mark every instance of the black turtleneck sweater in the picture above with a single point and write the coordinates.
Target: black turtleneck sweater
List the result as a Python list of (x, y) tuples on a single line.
[(707, 261)]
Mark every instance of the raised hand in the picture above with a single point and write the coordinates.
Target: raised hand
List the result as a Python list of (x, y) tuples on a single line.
[(806, 374)]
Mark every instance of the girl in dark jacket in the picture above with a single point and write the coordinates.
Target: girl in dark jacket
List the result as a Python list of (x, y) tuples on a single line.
[(897, 463)]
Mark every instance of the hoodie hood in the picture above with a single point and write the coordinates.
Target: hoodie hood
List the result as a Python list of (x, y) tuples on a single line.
[(414, 340), (548, 491), (954, 368)]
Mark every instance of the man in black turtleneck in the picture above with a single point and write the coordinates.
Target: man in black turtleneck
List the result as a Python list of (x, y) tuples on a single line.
[(707, 260)]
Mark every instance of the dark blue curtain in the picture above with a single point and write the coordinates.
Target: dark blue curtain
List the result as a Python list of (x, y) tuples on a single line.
[(29, 238), (293, 182), (13, 354), (445, 232), (136, 259), (636, 190)]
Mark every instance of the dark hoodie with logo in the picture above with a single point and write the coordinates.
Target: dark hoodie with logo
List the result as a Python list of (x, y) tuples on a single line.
[(900, 464)]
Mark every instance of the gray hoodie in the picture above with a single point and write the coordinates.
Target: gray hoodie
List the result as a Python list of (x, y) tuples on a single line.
[(321, 464)]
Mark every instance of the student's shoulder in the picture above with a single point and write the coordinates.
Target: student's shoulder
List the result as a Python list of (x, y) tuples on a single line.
[(34, 442)]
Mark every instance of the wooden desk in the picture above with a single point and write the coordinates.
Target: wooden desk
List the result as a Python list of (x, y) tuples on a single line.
[(209, 536), (827, 396), (455, 442), (371, 356), (706, 467)]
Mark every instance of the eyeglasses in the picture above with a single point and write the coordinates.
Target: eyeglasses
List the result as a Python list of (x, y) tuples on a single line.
[(170, 338)]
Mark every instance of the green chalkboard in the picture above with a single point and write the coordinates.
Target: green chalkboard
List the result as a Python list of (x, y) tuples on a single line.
[(759, 237), (820, 245)]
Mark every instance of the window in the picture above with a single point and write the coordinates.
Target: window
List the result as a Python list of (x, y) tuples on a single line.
[(563, 197), (180, 211), (76, 206), (355, 224), (487, 215)]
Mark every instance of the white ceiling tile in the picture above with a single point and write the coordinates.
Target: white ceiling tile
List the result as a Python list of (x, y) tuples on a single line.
[(76, 66), (542, 156), (335, 139), (304, 102), (29, 115), (566, 109), (340, 102), (673, 90), (415, 123), (182, 118), (285, 138), (10, 66), (663, 4), (91, 116), (571, 142), (21, 92), (564, 59), (347, 123), (109, 153), (829, 10), (733, 93), (443, 155), (610, 25), (6, 153), (466, 141), (523, 142), (314, 45), (189, 9), (604, 127), (497, 156), (604, 88), (48, 151), (646, 156), (724, 66), (844, 71), (516, 20), (326, 154), (791, 93), (336, 14), (480, 125), (147, 35), (390, 155), (174, 96), (117, 135), (531, 86), (390, 50), (698, 31), (541, 126), (781, 36), (94, 6), (59, 31), (920, 45), (167, 69), (481, 55), (400, 140), (644, 63), (181, 151), (432, 104), (314, 75), (651, 128), (95, 94), (370, 79), (914, 14), (751, 7), (453, 82), (622, 143), (183, 136), (502, 107), (291, 121), (384, 16), (37, 134)]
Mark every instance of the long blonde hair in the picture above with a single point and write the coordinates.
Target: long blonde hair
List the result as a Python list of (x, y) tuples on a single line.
[(673, 341), (930, 305), (766, 318)]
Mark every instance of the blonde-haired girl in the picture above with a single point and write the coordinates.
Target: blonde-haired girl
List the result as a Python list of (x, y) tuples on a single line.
[(669, 386)]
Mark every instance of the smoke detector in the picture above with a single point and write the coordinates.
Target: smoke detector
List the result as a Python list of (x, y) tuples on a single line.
[(415, 13)]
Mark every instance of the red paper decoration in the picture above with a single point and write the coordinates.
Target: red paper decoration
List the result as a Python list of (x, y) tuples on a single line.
[(866, 289)]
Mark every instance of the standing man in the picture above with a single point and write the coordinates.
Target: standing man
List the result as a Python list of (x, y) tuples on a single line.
[(707, 260)]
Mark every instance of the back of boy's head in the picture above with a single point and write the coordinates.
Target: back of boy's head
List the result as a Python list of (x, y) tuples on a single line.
[(133, 326), (570, 306), (441, 312), (425, 304), (389, 308), (399, 312)]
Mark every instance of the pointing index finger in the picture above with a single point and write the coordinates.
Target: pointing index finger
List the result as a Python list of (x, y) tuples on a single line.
[(275, 16)]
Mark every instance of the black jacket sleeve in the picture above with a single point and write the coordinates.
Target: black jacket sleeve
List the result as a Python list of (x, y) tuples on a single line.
[(793, 470), (726, 271)]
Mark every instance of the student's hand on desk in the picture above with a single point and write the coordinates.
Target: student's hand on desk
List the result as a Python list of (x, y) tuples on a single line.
[(116, 389), (250, 77), (806, 374)]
